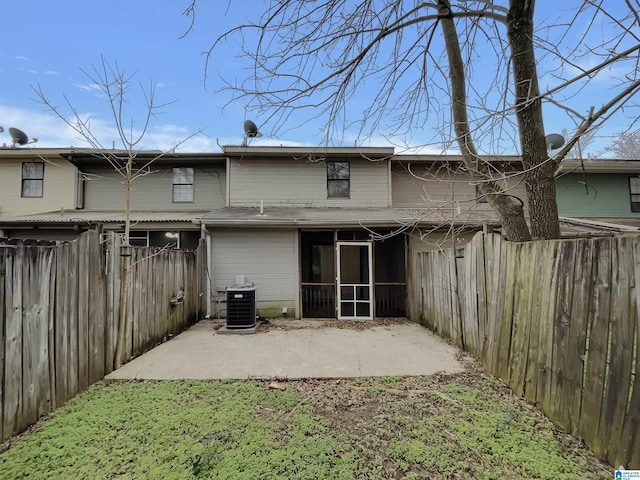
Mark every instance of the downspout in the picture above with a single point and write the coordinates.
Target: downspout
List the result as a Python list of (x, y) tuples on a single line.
[(204, 234), (228, 182), (389, 185)]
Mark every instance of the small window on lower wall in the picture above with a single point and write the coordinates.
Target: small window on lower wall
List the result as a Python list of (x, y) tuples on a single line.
[(634, 191)]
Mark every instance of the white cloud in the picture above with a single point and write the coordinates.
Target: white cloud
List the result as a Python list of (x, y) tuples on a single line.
[(20, 57), (89, 87), (50, 131), (51, 72)]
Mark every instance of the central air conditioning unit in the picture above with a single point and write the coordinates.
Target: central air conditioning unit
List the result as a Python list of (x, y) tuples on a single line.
[(241, 306)]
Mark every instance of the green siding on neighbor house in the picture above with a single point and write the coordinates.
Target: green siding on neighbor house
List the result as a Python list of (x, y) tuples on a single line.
[(594, 195)]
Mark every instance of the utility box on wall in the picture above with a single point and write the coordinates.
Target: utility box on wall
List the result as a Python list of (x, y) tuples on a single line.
[(241, 306)]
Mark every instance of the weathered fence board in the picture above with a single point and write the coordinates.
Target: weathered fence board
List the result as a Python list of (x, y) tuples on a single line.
[(629, 453), (620, 347), (61, 325), (3, 337), (83, 313), (59, 313), (12, 388), (558, 321), (597, 346)]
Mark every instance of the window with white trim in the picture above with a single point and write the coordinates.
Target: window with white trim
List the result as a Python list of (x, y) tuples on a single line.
[(32, 179), (634, 192), (338, 179), (183, 185)]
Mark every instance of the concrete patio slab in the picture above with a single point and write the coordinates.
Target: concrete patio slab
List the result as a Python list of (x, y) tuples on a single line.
[(327, 352)]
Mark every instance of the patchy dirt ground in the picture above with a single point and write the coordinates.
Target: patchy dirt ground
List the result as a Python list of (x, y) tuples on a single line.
[(467, 425), (280, 324), (460, 426)]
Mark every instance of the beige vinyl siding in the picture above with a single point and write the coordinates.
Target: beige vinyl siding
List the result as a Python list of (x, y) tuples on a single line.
[(303, 183), (104, 190), (420, 186), (267, 258), (59, 187)]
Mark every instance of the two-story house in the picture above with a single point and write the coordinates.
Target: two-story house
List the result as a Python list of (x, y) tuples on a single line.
[(320, 232), (33, 181), (325, 232), (57, 193)]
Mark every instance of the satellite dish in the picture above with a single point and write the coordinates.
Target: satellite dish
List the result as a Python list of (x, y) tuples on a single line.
[(251, 130), (1, 129), (18, 137), (554, 141)]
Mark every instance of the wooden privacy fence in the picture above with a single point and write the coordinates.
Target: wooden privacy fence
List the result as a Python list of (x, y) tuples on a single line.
[(556, 320), (59, 308)]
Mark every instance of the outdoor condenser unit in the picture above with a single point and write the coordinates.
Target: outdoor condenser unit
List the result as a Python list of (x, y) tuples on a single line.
[(241, 306)]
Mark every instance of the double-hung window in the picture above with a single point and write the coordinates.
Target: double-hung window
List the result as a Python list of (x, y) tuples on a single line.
[(338, 179), (480, 197), (32, 179), (182, 185), (634, 191)]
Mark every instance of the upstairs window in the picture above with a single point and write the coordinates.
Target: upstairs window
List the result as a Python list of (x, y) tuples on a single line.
[(182, 185), (634, 191), (32, 179), (338, 180), (480, 197)]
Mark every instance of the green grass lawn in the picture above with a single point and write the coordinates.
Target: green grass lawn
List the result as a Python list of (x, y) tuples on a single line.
[(462, 426)]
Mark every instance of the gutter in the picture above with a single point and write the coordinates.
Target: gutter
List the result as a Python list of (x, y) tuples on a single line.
[(602, 225)]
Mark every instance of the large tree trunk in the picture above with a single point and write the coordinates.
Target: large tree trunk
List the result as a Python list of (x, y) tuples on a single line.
[(539, 170), (509, 209)]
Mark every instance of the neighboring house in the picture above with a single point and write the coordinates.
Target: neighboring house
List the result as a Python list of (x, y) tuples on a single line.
[(600, 190), (325, 232), (88, 193), (34, 181)]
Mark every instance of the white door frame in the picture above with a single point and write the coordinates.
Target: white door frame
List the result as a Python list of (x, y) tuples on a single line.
[(354, 286)]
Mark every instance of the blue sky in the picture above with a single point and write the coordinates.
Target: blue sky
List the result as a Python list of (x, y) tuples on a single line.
[(48, 43)]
